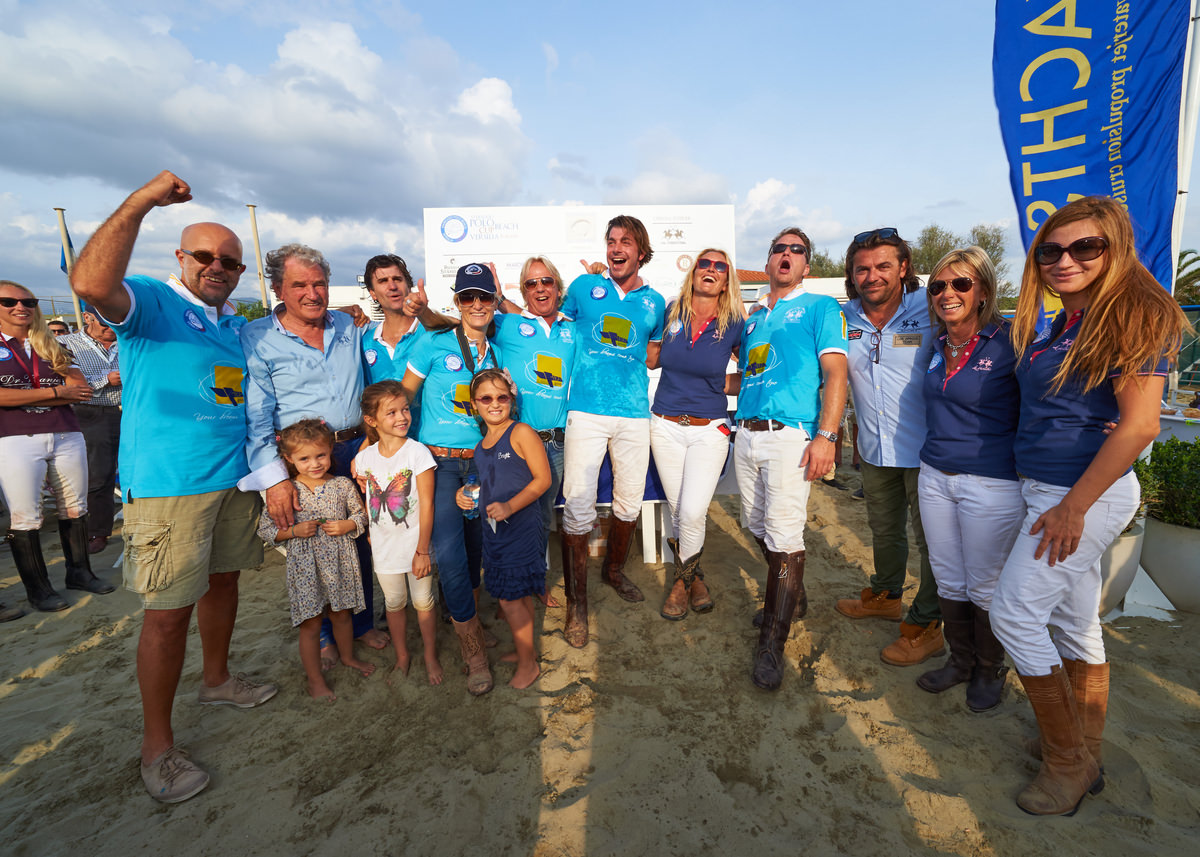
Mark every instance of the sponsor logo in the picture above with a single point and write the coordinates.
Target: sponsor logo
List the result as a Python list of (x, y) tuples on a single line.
[(472, 270), (616, 331), (910, 324), (854, 335), (760, 355), (599, 293), (548, 371), (676, 326), (5, 354), (454, 228), (453, 363), (224, 386), (461, 401), (371, 356), (750, 327), (794, 314), (192, 320), (984, 365), (935, 361), (526, 329)]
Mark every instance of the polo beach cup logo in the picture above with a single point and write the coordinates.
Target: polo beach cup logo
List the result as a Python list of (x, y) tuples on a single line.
[(760, 360), (548, 371), (460, 401), (615, 331), (224, 386)]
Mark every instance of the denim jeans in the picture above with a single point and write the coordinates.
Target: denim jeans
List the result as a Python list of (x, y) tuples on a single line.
[(343, 454), (554, 453), (457, 541)]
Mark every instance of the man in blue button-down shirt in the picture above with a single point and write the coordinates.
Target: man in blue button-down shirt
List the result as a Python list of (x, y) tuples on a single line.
[(891, 343)]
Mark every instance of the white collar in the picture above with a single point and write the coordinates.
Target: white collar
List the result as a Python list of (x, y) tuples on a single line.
[(211, 312)]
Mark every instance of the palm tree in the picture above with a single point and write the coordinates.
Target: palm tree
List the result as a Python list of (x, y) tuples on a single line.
[(1187, 278)]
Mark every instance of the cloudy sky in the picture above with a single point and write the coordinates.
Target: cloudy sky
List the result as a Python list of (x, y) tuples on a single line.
[(342, 120)]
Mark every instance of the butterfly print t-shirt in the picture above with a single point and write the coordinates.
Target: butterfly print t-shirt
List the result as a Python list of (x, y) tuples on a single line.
[(393, 504)]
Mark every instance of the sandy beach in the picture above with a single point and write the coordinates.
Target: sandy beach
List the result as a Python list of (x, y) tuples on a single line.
[(651, 740)]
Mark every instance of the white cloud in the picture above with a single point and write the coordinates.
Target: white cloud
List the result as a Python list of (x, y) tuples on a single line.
[(488, 101), (771, 205), (666, 174)]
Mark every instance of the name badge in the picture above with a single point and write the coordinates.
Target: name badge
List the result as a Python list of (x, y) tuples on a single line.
[(907, 340)]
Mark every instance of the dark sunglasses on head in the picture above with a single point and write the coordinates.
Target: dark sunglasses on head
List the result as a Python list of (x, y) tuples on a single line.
[(205, 258), (544, 281), (484, 298), (719, 267), (1083, 250), (797, 249), (960, 284), (883, 233), (502, 399), (28, 303)]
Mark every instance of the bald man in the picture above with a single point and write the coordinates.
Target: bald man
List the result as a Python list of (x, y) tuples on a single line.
[(188, 530)]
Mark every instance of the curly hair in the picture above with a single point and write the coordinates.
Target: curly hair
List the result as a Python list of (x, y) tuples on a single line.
[(385, 260), (277, 259), (304, 431)]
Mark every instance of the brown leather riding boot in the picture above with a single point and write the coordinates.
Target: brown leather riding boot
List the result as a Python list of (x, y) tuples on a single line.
[(620, 534), (1089, 686), (785, 583), (801, 603), (699, 598), (574, 561), (1068, 771)]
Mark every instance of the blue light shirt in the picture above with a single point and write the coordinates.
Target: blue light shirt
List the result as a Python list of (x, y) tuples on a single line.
[(447, 418), (288, 380), (693, 371), (972, 415), (889, 398), (540, 357), (780, 358), (183, 424), (614, 328), (382, 362)]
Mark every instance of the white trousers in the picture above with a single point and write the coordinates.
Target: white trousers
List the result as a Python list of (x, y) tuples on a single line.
[(970, 525), (588, 436), (772, 484), (689, 460), (1032, 596), (26, 460)]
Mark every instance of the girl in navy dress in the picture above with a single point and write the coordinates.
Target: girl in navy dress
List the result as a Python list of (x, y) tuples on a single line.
[(513, 474)]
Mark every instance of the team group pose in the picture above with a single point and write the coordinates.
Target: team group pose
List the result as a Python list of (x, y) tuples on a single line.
[(425, 453)]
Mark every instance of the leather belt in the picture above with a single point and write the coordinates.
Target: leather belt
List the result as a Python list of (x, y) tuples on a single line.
[(353, 433), (557, 435), (450, 452), (685, 420), (761, 425)]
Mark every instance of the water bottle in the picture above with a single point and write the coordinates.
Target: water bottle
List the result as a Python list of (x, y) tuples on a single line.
[(471, 492)]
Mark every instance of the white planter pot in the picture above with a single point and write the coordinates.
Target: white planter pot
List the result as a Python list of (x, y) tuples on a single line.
[(1171, 556), (1118, 568)]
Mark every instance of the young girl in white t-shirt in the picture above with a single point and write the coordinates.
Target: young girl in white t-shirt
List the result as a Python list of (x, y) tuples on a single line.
[(396, 472)]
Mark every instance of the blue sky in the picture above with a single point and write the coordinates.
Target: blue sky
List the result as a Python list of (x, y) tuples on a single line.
[(341, 121)]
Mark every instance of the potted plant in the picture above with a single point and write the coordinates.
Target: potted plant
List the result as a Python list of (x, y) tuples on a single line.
[(1171, 493), (1119, 565)]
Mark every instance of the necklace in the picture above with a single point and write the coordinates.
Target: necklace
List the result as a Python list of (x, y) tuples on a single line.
[(954, 349)]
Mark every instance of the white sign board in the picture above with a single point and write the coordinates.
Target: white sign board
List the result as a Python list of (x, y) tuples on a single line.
[(507, 236)]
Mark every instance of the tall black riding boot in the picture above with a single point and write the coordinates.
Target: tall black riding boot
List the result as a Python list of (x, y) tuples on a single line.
[(987, 679), (27, 554), (574, 560), (958, 626), (73, 533), (785, 588)]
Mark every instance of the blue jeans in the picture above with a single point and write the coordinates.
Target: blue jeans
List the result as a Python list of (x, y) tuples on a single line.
[(554, 452), (457, 541), (343, 454)]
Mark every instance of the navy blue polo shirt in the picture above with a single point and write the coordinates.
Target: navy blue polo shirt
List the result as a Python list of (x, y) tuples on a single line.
[(693, 372), (971, 417), (1059, 435)]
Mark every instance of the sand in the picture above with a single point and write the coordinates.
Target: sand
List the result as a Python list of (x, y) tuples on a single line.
[(651, 740)]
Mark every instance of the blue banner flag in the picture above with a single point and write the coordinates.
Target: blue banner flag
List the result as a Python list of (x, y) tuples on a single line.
[(62, 257), (1089, 95)]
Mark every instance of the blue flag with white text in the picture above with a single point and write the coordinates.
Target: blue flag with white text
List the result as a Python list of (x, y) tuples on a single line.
[(1089, 95)]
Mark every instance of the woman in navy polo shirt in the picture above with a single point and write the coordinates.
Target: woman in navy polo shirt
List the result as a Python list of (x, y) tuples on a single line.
[(440, 369), (1102, 359), (970, 498), (689, 430)]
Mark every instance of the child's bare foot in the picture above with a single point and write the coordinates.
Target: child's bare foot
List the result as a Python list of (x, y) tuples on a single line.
[(329, 657), (375, 638), (401, 665), (509, 657), (363, 667), (547, 599), (318, 689), (434, 667), (523, 678)]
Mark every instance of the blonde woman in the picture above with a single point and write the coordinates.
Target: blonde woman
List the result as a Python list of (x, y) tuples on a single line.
[(40, 437), (1104, 358), (689, 426)]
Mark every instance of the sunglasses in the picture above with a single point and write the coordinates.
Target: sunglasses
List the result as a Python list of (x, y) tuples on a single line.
[(1083, 250), (883, 234), (961, 285), (28, 303), (468, 298), (719, 267), (205, 259), (797, 249), (502, 399), (539, 281)]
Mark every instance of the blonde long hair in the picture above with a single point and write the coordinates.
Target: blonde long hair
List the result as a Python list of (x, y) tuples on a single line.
[(729, 303), (1131, 320), (45, 343)]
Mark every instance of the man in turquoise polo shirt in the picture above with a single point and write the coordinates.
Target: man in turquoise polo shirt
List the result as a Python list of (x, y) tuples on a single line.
[(188, 530)]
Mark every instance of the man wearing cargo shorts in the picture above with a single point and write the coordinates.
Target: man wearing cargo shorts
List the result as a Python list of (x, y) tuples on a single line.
[(188, 530)]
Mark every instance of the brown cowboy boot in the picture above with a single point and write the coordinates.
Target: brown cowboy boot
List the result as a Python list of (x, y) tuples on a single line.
[(1089, 685), (675, 607), (699, 597), (958, 625), (1068, 771), (574, 560), (620, 534), (785, 576), (474, 655)]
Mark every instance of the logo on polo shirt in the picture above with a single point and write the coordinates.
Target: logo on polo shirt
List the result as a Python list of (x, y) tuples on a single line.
[(616, 331), (854, 334), (759, 360), (5, 354), (526, 329), (192, 320), (371, 355), (452, 362), (548, 371), (910, 324), (461, 401), (224, 386), (675, 327), (750, 327), (599, 292), (984, 365), (794, 314), (934, 361)]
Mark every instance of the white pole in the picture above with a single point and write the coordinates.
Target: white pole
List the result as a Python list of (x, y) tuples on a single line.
[(262, 279), (69, 255), (1187, 134)]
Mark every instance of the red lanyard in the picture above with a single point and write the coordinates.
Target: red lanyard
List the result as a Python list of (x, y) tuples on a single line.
[(29, 370)]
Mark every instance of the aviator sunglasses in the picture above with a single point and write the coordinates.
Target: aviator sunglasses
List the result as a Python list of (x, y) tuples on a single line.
[(960, 284), (719, 267), (1083, 250), (797, 249), (205, 258), (502, 399), (28, 303), (883, 234), (539, 281), (484, 298)]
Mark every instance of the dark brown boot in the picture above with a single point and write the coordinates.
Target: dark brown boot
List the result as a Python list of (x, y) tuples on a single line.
[(987, 678), (699, 598), (73, 533), (31, 566), (675, 607), (958, 626), (574, 560), (620, 534), (1068, 771), (785, 583), (801, 603)]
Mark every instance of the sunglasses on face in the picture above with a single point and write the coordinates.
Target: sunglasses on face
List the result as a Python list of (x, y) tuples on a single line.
[(502, 399), (204, 258), (719, 267), (28, 303), (797, 249), (1083, 250), (959, 284), (468, 298), (883, 234), (539, 281)]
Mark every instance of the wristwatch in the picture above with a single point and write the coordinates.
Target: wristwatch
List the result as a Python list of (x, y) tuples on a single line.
[(830, 436)]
